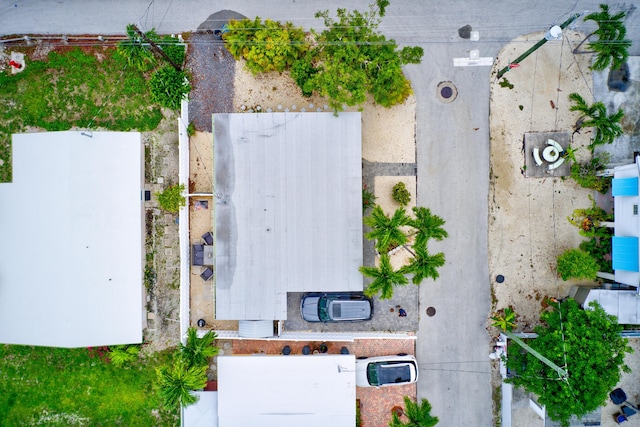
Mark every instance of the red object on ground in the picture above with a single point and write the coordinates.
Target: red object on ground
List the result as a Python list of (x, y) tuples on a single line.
[(513, 66), (14, 64)]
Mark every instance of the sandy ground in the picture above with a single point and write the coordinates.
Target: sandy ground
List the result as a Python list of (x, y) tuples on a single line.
[(527, 216)]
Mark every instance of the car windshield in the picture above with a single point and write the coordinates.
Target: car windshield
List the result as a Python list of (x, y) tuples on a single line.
[(323, 309), (388, 373)]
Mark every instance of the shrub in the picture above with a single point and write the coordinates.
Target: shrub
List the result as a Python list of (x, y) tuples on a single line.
[(585, 174), (577, 264), (171, 199), (120, 355), (169, 86), (368, 198), (401, 194)]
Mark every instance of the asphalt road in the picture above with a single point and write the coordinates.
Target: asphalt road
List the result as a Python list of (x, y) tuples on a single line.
[(452, 146)]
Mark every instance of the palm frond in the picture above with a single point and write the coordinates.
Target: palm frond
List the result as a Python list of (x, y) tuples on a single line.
[(384, 278)]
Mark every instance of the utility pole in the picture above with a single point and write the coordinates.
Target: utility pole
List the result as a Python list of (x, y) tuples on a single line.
[(535, 47), (156, 48)]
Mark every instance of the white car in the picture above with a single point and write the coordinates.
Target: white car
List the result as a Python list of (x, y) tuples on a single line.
[(385, 371)]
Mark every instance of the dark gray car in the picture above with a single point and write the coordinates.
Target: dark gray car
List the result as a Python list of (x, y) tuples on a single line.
[(336, 307)]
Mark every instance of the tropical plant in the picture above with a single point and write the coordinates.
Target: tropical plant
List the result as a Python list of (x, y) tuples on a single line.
[(400, 194), (135, 51), (587, 344), (169, 86), (578, 264), (607, 127), (423, 265), (350, 58), (427, 225), (505, 321), (600, 248), (612, 46), (588, 220), (368, 198), (171, 199), (417, 414), (586, 174), (384, 278), (386, 230), (175, 383), (120, 355), (198, 351), (266, 46)]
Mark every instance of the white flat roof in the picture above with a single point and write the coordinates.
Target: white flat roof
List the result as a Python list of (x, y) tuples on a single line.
[(625, 222), (72, 240), (289, 212), (287, 391)]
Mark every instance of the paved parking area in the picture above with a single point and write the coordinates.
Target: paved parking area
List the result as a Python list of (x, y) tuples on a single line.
[(375, 404)]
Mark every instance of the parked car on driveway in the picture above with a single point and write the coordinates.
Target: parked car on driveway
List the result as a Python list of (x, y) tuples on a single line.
[(336, 307), (385, 371)]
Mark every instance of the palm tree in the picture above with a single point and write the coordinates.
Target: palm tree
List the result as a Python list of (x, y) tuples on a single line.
[(385, 230), (384, 278), (198, 351), (175, 383), (418, 415), (427, 225), (607, 127), (423, 265), (137, 54), (611, 46)]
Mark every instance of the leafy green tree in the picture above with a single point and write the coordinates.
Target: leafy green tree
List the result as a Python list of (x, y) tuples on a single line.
[(197, 351), (169, 86), (611, 48), (587, 343), (418, 415), (175, 383), (607, 127), (423, 265), (578, 264), (135, 51), (386, 230), (120, 355), (427, 225), (351, 58), (384, 278), (266, 46), (171, 199)]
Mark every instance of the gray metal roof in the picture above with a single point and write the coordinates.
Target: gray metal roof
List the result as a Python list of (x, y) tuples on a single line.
[(72, 240), (289, 211)]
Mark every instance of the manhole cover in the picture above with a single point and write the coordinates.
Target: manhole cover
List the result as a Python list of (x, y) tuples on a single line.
[(446, 91), (499, 278), (431, 311)]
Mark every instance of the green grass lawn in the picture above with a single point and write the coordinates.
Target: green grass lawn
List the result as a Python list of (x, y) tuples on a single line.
[(71, 88), (43, 386)]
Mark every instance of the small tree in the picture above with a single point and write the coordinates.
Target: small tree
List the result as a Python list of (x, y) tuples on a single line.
[(578, 264), (386, 230), (268, 46), (612, 46), (588, 344), (607, 127), (135, 51), (171, 199), (384, 278), (418, 415), (176, 383), (505, 321), (423, 265), (427, 225), (168, 87), (198, 351)]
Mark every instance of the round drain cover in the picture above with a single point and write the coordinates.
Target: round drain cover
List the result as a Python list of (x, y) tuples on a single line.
[(446, 91), (499, 278), (431, 311)]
